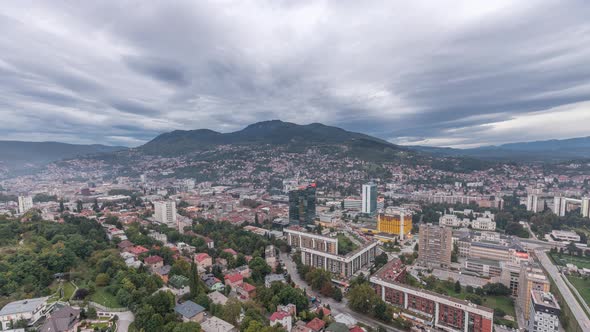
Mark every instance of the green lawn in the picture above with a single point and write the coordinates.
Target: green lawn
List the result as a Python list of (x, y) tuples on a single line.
[(101, 296), (494, 302), (580, 262), (68, 290), (582, 285)]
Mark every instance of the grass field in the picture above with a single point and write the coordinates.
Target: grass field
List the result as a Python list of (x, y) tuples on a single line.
[(101, 296), (494, 302), (580, 262), (68, 290), (583, 286)]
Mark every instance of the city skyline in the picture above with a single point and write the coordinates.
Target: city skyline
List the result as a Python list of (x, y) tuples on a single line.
[(122, 73)]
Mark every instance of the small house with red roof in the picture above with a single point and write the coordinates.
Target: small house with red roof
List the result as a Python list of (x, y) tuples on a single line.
[(203, 260), (283, 319), (137, 250), (316, 325), (154, 262), (246, 291), (234, 280), (231, 252)]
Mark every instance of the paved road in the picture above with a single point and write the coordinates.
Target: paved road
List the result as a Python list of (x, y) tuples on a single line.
[(125, 319), (336, 307), (568, 296)]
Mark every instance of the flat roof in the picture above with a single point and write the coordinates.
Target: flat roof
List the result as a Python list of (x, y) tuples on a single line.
[(27, 305)]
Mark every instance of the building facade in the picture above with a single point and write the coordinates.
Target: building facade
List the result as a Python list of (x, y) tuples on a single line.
[(435, 245), (322, 252), (544, 312), (531, 278), (25, 203), (302, 203), (369, 198), (398, 224), (165, 212), (443, 312)]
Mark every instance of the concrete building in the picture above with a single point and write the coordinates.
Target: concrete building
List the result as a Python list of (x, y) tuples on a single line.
[(544, 312), (322, 252), (214, 324), (165, 212), (435, 245), (369, 198), (565, 236), (399, 224), (25, 203), (353, 203), (531, 278), (30, 310), (444, 312)]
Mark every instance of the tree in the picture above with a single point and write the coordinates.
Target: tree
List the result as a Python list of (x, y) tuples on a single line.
[(194, 281), (571, 248), (187, 327), (259, 269), (381, 260), (232, 311), (102, 279), (61, 205), (362, 298), (91, 313), (79, 206), (457, 287), (383, 312)]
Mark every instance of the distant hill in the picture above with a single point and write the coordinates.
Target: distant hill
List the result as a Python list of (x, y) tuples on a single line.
[(274, 132), (549, 150), (17, 154)]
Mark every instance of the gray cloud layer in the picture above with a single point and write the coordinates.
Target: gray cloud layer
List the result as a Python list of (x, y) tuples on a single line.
[(457, 73)]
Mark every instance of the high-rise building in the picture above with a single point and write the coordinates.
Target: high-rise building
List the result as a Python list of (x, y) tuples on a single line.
[(394, 223), (165, 212), (369, 198), (302, 205), (531, 278), (25, 203), (543, 312), (585, 207), (435, 245)]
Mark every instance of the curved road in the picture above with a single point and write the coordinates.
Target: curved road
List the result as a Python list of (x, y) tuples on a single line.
[(125, 319)]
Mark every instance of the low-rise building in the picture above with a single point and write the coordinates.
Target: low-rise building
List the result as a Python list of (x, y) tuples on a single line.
[(214, 324), (190, 311), (30, 310)]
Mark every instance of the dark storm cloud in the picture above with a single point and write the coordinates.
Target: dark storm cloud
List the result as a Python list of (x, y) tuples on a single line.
[(452, 72)]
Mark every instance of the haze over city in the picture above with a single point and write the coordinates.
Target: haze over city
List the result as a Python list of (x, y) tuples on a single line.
[(454, 73)]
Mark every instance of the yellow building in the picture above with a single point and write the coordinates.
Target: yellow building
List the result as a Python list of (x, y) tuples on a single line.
[(397, 224)]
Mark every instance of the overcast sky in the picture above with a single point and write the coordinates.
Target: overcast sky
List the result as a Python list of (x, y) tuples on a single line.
[(442, 73)]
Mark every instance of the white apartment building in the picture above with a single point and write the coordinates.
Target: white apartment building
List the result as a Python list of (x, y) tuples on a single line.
[(165, 212), (25, 203)]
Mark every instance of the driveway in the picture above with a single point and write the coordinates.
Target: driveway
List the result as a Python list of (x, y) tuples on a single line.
[(125, 319)]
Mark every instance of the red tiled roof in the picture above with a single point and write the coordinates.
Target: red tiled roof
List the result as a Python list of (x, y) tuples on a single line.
[(234, 277), (248, 288), (201, 256), (327, 311), (278, 315), (153, 259), (138, 250), (230, 251), (316, 324), (356, 329)]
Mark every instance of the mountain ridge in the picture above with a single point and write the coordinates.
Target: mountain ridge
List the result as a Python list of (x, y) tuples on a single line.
[(540, 150), (274, 132)]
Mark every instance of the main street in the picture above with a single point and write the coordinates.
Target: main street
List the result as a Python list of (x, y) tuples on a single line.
[(566, 293), (336, 307)]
